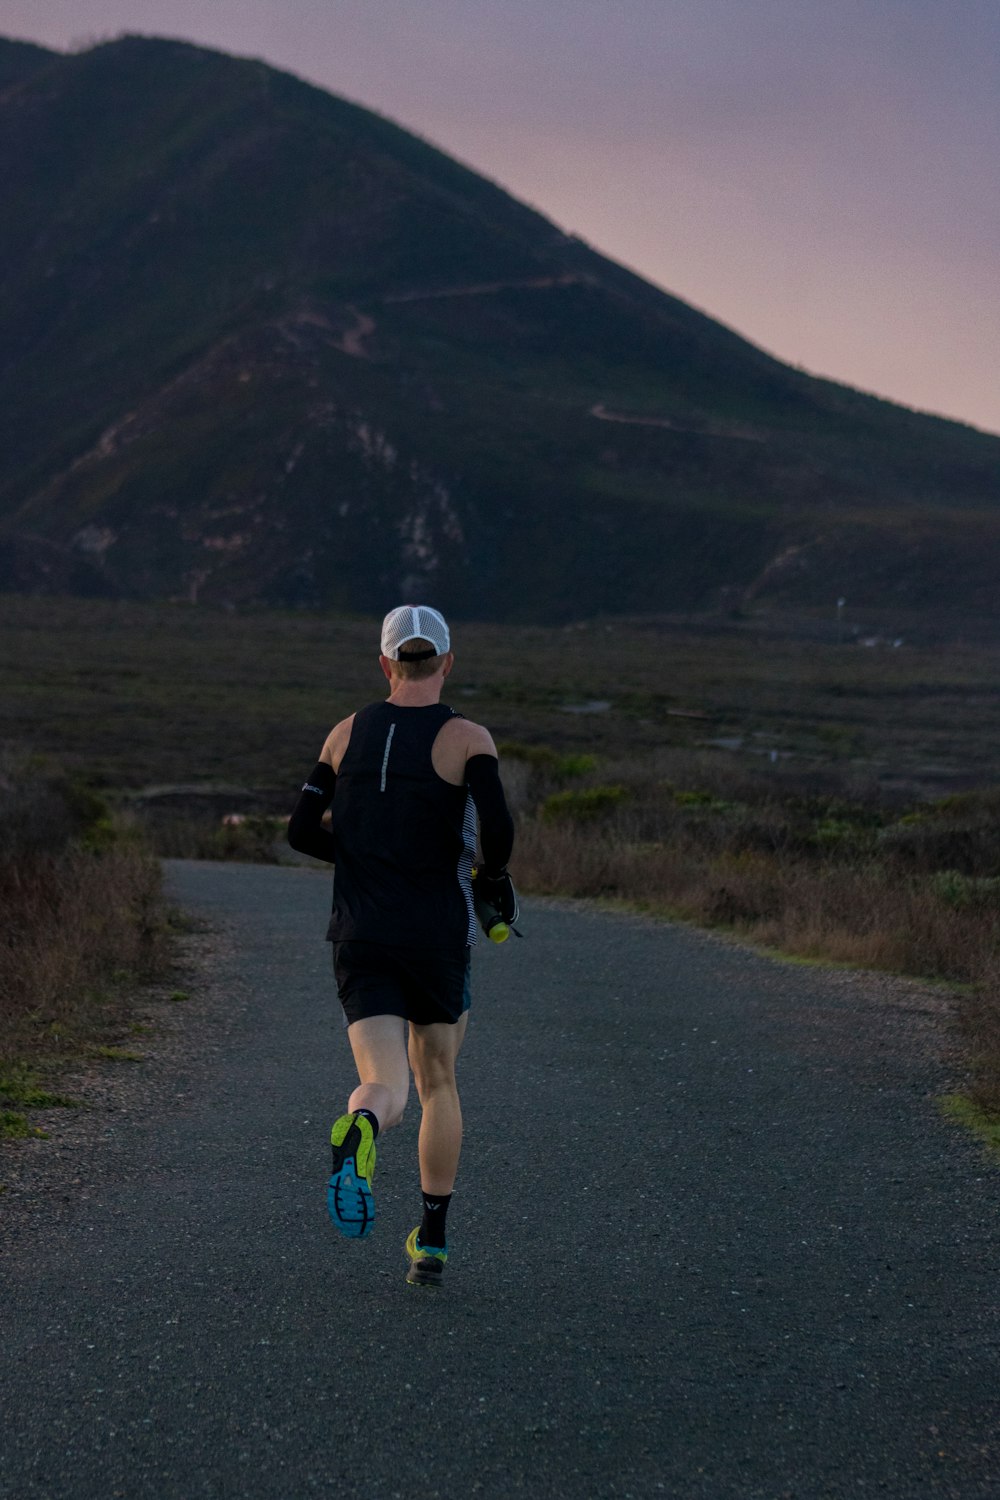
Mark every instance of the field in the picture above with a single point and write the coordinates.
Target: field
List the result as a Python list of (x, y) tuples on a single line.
[(824, 788), (136, 696)]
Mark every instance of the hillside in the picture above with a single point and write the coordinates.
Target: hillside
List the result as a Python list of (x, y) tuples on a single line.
[(259, 345)]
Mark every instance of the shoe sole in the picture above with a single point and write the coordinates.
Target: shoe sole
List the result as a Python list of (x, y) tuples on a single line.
[(425, 1270), (349, 1198), (422, 1274)]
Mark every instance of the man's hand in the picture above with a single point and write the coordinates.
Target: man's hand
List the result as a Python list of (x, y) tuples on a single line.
[(497, 891)]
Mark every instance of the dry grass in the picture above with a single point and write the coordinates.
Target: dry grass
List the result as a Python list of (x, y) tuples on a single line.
[(82, 915), (79, 925), (867, 916), (980, 1014), (254, 840)]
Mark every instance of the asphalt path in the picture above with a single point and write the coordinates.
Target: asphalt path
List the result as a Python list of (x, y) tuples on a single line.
[(710, 1239)]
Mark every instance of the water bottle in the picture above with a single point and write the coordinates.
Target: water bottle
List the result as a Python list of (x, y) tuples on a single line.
[(490, 920), (492, 923)]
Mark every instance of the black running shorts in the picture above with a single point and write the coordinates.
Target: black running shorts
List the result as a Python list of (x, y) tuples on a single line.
[(423, 985)]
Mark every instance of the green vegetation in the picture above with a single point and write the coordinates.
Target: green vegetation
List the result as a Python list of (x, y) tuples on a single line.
[(20, 1084), (15, 1127), (964, 892), (583, 805), (698, 797), (543, 757), (965, 1111)]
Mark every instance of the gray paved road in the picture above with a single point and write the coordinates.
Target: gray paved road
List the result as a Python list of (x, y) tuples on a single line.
[(710, 1241)]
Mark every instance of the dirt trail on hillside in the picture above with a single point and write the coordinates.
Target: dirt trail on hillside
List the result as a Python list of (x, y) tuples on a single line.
[(487, 288), (708, 429)]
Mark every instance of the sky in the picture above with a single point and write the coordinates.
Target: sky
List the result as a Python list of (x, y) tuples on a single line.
[(821, 175)]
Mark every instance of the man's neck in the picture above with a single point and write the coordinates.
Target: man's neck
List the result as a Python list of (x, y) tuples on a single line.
[(418, 694)]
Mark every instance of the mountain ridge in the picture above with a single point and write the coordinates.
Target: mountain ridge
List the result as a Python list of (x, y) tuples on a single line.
[(266, 346)]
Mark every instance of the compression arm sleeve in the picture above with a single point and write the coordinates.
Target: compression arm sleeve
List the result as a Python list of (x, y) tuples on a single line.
[(496, 826), (305, 827)]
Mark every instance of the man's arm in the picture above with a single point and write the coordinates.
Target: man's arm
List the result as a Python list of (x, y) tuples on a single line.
[(492, 886), (305, 827), (482, 777)]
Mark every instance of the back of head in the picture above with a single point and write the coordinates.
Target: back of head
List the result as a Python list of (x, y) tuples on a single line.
[(409, 669)]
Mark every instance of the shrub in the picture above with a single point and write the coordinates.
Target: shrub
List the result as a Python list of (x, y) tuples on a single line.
[(588, 803), (43, 809), (80, 896), (958, 833), (821, 888), (544, 758), (254, 839), (703, 799), (963, 891)]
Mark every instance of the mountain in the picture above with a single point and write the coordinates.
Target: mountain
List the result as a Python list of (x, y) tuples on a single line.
[(260, 345), (19, 59)]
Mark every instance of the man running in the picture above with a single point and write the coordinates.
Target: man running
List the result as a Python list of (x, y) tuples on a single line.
[(406, 779)]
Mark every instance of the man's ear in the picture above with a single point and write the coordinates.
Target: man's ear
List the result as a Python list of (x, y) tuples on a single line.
[(386, 666), (449, 662)]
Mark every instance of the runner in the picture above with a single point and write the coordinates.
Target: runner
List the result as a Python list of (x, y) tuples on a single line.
[(406, 779)]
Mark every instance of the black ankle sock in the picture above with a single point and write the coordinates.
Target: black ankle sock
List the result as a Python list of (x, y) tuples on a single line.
[(431, 1233), (372, 1120)]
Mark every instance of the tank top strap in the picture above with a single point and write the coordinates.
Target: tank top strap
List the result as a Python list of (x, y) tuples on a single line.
[(382, 729)]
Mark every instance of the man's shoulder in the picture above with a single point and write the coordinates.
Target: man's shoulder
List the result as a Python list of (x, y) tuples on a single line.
[(337, 741), (475, 737)]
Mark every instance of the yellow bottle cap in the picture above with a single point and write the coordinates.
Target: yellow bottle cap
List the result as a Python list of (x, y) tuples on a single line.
[(499, 933)]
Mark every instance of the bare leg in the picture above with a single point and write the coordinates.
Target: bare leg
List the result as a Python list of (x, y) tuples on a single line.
[(433, 1051), (379, 1047)]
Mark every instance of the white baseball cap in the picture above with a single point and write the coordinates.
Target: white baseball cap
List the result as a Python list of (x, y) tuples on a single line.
[(414, 622)]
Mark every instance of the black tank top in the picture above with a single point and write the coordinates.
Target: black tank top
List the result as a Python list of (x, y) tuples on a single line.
[(404, 839)]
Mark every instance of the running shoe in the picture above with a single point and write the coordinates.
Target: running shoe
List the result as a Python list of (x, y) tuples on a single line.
[(426, 1266), (349, 1196)]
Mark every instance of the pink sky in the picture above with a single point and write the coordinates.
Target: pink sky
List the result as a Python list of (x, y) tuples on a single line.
[(825, 178)]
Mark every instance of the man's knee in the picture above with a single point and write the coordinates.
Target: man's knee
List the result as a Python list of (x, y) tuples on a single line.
[(432, 1071)]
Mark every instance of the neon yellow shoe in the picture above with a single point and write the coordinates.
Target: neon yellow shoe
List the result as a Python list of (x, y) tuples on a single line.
[(426, 1266), (349, 1195)]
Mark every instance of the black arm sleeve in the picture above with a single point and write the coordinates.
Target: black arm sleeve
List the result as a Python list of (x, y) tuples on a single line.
[(305, 829), (496, 826)]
